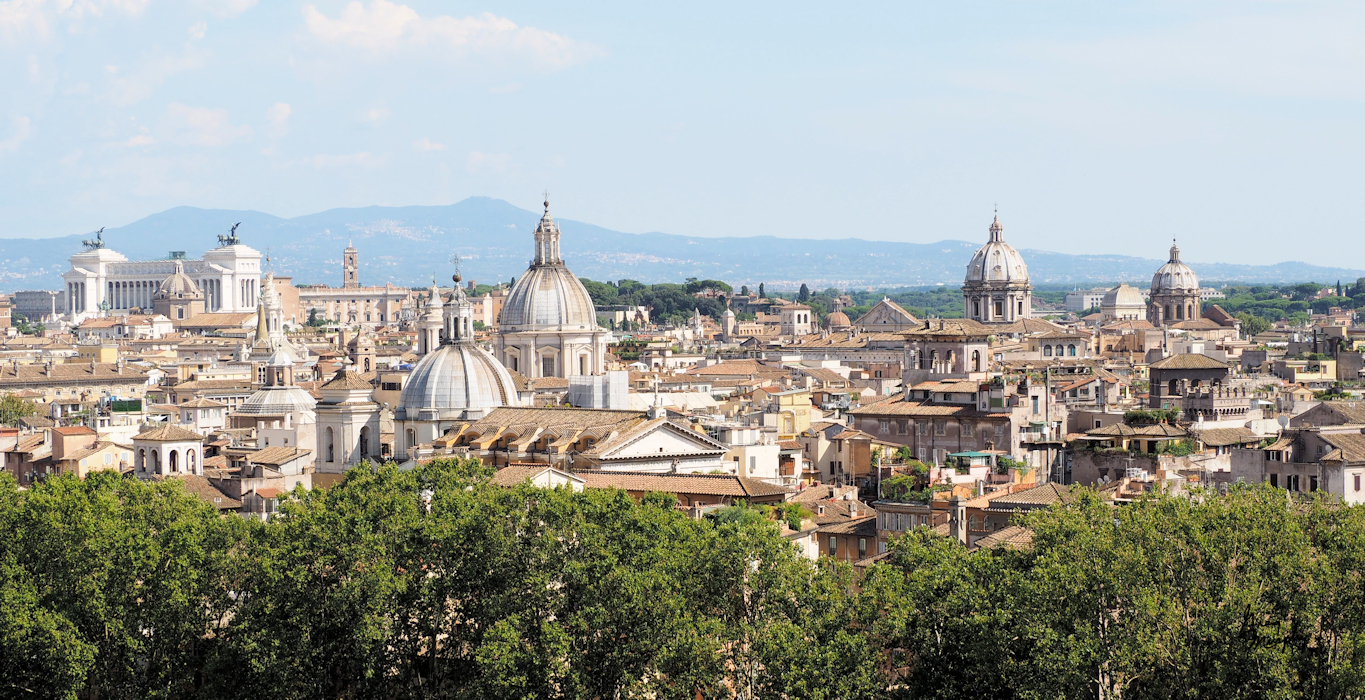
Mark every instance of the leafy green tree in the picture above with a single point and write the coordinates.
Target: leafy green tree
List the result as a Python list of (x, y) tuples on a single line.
[(1252, 325), (804, 294), (12, 408), (136, 572), (760, 291)]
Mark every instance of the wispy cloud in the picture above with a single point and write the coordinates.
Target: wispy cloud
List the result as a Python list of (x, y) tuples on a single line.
[(387, 27), (227, 8), (201, 126), (38, 17), (126, 88), (426, 144), (142, 139), (22, 129), (375, 116), (278, 118)]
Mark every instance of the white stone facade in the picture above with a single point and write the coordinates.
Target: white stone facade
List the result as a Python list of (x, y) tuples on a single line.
[(229, 277)]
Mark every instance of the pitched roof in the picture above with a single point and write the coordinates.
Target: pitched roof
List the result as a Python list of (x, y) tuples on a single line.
[(199, 403), (1189, 360), (1350, 445), (701, 484), (346, 380), (951, 326), (169, 433), (913, 408), (1222, 437), (201, 487), (1036, 497), (276, 456), (865, 527), (1012, 537)]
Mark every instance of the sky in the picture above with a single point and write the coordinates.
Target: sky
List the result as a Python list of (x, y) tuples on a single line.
[(1094, 127)]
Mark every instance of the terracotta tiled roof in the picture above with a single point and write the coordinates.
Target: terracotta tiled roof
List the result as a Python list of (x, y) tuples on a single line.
[(865, 527), (276, 456), (201, 487), (73, 430), (169, 433), (1189, 360), (198, 403), (1222, 437), (1039, 496), (1350, 445), (701, 484), (901, 407), (948, 387), (1013, 537), (346, 380), (107, 372)]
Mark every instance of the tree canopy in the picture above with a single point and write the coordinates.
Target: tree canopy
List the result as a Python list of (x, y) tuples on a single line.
[(435, 582)]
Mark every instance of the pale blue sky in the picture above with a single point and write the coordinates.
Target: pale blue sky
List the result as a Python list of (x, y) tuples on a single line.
[(1097, 127)]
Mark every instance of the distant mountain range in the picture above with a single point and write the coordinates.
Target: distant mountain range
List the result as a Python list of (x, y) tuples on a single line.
[(410, 245)]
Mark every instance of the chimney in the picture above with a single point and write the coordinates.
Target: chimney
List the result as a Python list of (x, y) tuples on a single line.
[(957, 518)]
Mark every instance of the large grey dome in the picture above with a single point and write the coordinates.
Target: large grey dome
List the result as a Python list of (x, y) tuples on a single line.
[(547, 296), (1174, 274), (1124, 296), (997, 261), (457, 380)]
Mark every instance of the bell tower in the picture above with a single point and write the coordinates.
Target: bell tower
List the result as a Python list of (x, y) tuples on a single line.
[(350, 262)]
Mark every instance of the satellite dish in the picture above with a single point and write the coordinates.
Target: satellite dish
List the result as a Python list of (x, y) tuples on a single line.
[(1283, 421)]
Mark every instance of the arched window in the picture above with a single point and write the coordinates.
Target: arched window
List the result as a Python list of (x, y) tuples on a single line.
[(367, 364), (1071, 350), (142, 459), (1047, 351), (1172, 387), (173, 460), (976, 362), (331, 446), (412, 439), (365, 442), (189, 462)]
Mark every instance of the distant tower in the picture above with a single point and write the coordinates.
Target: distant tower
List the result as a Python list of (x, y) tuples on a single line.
[(351, 266)]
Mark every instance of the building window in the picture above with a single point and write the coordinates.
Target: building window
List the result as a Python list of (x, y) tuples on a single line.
[(1071, 350), (1047, 351), (940, 428), (901, 427), (967, 429), (833, 545), (862, 547), (1357, 482), (884, 427)]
